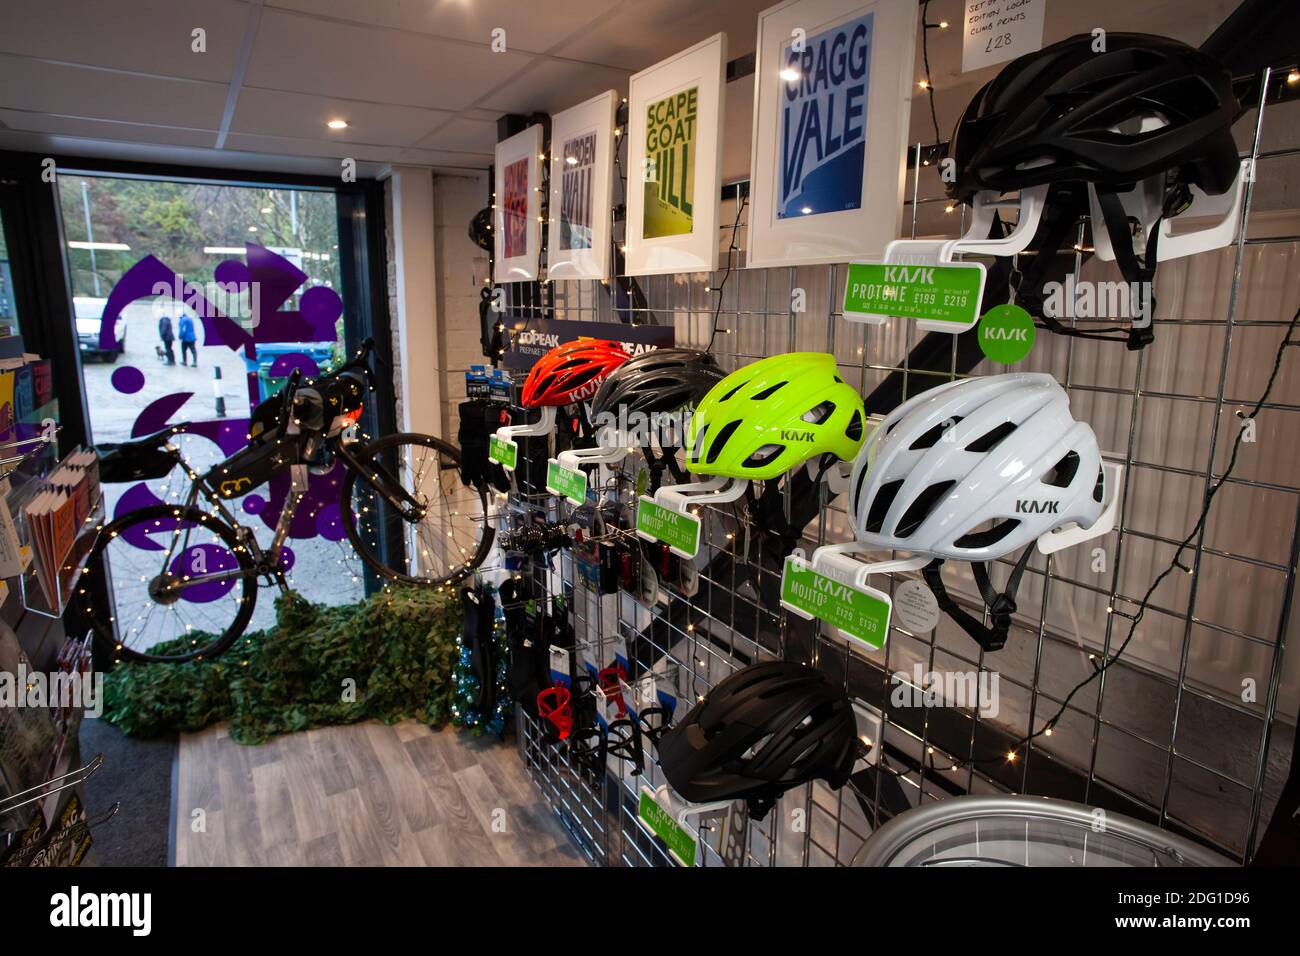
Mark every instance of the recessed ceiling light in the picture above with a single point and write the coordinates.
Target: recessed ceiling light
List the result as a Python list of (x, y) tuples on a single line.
[(337, 124)]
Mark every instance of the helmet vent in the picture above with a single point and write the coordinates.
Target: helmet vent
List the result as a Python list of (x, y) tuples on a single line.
[(733, 391), (763, 455), (721, 441), (1062, 474), (991, 437), (818, 413), (1099, 489), (920, 508), (854, 431), (582, 377), (880, 505), (768, 392), (932, 435), (989, 536)]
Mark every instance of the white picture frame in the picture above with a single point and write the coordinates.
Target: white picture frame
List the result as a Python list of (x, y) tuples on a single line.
[(862, 205), (517, 206), (678, 230), (582, 183)]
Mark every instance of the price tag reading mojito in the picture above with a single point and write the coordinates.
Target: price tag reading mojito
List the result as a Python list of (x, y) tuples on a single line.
[(680, 532), (566, 482), (504, 453), (680, 843), (861, 613), (942, 298)]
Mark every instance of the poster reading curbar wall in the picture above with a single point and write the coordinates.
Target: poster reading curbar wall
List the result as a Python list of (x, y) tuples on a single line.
[(675, 120), (832, 95)]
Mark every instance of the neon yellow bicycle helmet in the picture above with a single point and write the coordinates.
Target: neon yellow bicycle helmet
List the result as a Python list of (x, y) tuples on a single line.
[(773, 415)]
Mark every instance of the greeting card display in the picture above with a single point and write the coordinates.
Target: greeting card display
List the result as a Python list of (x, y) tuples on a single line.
[(582, 178), (832, 98), (674, 159), (516, 220)]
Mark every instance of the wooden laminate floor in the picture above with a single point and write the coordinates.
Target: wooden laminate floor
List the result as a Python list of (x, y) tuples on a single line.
[(361, 795)]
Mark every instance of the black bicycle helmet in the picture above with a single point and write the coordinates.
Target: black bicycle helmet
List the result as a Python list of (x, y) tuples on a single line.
[(1069, 114), (661, 380), (761, 731)]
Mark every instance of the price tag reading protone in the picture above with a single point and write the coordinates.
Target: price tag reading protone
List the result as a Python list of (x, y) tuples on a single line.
[(504, 453), (860, 613), (566, 482), (940, 298), (680, 532)]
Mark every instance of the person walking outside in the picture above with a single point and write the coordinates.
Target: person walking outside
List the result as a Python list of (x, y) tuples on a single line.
[(185, 332), (165, 333)]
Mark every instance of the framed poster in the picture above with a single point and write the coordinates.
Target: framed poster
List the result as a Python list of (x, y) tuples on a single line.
[(582, 180), (517, 208), (674, 161), (832, 100)]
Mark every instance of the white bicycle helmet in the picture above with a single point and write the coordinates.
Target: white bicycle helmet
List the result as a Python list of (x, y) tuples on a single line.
[(973, 470)]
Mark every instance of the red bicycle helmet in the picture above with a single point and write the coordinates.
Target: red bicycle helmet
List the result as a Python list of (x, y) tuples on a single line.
[(571, 372)]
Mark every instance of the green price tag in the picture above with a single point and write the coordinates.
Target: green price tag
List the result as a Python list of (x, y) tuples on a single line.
[(1006, 334), (656, 523), (944, 298), (861, 614), (566, 482), (680, 843), (504, 453)]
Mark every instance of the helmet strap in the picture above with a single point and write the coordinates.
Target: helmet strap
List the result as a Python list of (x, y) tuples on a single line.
[(990, 637), (1141, 274)]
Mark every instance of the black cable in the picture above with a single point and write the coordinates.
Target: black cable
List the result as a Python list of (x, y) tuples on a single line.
[(1175, 562), (926, 26), (732, 249)]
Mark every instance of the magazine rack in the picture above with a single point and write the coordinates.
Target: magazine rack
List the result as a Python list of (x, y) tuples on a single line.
[(34, 596)]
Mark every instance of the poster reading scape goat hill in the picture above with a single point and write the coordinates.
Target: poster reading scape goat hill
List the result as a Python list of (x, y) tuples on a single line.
[(670, 165), (823, 120), (576, 192), (516, 208)]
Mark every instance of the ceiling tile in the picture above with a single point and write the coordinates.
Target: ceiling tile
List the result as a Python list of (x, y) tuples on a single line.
[(103, 94), (383, 66), (100, 129), (554, 85), (533, 27), (303, 115), (462, 134), (146, 36), (643, 33)]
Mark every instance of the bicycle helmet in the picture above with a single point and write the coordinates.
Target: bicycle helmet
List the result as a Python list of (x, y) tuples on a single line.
[(1143, 106), (759, 732), (571, 372), (773, 415), (973, 470), (662, 380)]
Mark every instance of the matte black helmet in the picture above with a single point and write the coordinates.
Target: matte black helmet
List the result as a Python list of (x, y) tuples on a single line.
[(758, 733), (1069, 113), (661, 380)]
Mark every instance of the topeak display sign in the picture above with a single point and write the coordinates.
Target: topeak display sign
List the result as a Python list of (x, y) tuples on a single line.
[(531, 338)]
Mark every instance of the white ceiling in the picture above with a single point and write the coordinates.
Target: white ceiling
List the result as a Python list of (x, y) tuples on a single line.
[(416, 79)]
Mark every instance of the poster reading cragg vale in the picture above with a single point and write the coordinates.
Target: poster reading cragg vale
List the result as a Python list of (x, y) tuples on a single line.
[(670, 165), (575, 196), (823, 123), (516, 209)]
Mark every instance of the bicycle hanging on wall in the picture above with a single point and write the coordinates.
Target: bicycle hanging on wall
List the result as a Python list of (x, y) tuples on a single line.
[(194, 571)]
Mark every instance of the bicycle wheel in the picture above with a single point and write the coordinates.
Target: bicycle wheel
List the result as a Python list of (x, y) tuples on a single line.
[(442, 523), (180, 584)]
